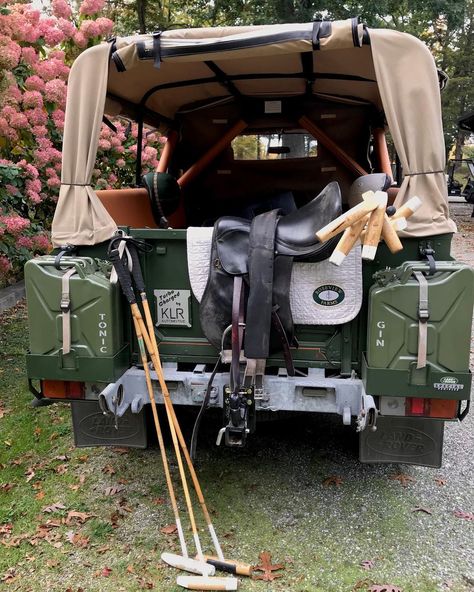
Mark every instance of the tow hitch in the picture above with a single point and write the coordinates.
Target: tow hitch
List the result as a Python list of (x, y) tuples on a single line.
[(239, 413)]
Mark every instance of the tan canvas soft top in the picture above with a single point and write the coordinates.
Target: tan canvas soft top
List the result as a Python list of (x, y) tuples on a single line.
[(161, 74)]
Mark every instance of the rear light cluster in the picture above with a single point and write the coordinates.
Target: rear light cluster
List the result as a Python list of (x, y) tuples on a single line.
[(419, 407), (63, 389)]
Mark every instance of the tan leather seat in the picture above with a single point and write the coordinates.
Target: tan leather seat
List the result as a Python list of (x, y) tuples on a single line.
[(128, 207)]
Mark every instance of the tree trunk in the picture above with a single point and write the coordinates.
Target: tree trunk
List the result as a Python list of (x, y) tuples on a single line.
[(141, 11)]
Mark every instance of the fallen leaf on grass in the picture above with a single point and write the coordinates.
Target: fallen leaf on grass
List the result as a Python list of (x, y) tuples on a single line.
[(362, 584), (130, 569), (108, 470), (422, 509), (77, 539), (62, 457), (440, 481), (267, 568), (384, 588), (61, 469), (6, 528), (72, 590), (79, 517), (145, 585), (6, 486), (57, 507), (9, 576), (103, 549), (40, 495), (106, 571), (169, 529), (367, 564), (120, 450), (52, 562), (76, 486), (29, 473), (333, 480), (403, 478), (158, 501), (37, 432), (464, 515), (83, 458), (114, 490)]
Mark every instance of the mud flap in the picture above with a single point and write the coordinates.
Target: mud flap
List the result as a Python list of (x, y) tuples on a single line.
[(408, 440), (93, 428)]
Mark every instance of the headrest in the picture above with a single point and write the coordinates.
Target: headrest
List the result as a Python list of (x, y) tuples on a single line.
[(164, 193)]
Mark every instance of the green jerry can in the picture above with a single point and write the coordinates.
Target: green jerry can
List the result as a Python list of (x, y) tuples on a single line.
[(408, 306), (83, 309)]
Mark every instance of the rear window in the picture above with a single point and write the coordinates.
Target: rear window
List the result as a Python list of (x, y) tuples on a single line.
[(274, 146)]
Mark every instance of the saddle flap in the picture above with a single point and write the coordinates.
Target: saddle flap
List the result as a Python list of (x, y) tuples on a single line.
[(231, 235)]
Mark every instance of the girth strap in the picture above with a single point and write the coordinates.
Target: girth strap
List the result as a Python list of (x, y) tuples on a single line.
[(260, 302), (237, 330), (65, 306), (423, 316)]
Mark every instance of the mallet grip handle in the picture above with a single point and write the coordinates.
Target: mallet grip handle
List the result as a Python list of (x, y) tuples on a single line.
[(229, 566)]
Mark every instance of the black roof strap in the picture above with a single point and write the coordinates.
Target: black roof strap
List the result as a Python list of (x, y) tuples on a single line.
[(223, 78), (109, 124), (321, 29), (308, 72), (157, 49), (355, 32)]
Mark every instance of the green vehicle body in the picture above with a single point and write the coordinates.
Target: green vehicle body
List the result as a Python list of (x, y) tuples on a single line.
[(365, 370)]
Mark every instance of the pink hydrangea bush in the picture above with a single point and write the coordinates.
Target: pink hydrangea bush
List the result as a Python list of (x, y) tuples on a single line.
[(36, 51), (21, 235)]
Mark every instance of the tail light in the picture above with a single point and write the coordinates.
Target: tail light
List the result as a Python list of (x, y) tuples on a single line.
[(436, 408), (62, 389)]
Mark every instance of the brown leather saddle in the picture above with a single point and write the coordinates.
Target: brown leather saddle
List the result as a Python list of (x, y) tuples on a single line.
[(250, 275)]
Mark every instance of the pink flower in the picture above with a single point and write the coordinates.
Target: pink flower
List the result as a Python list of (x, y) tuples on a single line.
[(89, 29), (50, 69), (34, 83), (61, 9), (149, 154), (5, 265), (10, 53), (80, 39), (57, 54), (15, 224), (41, 242), (33, 185), (66, 27), (120, 163), (112, 179), (29, 169), (53, 182), (39, 131), (19, 121), (91, 6), (104, 25), (53, 36), (34, 197), (55, 91), (24, 241), (11, 189), (104, 144), (32, 98), (37, 116)]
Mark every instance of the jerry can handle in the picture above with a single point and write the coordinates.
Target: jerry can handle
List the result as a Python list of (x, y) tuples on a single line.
[(79, 265)]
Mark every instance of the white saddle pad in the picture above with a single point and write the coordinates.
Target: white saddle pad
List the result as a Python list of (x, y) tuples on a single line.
[(320, 293)]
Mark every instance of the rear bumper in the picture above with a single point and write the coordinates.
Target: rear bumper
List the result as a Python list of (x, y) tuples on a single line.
[(314, 393)]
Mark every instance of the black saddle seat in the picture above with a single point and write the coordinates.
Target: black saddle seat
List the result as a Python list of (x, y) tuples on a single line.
[(295, 233)]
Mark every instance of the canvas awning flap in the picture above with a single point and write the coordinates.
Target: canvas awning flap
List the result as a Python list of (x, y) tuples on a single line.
[(408, 85), (80, 218)]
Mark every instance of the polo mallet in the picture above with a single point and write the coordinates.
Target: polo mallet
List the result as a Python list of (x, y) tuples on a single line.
[(150, 341), (183, 562)]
